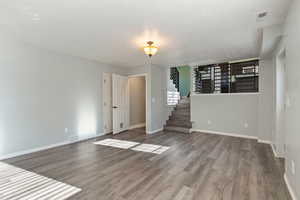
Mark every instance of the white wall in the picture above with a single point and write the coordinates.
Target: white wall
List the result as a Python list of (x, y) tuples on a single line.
[(241, 114), (280, 98), (266, 100), (234, 114), (159, 108), (271, 36), (292, 44), (42, 93)]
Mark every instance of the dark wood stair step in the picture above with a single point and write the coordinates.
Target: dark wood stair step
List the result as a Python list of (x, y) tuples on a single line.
[(180, 117), (181, 113), (182, 108)]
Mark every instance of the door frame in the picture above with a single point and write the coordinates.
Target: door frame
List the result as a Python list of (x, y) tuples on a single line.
[(279, 138), (146, 97)]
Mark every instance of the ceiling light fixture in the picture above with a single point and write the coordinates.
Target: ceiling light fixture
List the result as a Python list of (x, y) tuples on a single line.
[(150, 49)]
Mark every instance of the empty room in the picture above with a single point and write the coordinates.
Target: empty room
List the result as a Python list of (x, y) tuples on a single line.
[(149, 100)]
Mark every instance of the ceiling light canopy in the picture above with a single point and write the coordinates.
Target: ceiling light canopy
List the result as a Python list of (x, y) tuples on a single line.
[(150, 49)]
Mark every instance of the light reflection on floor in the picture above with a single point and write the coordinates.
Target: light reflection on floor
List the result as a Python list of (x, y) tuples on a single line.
[(135, 146)]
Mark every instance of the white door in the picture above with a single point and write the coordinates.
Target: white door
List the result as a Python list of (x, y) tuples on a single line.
[(120, 103), (107, 103)]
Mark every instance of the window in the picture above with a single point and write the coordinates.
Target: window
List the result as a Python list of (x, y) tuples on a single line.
[(173, 98), (173, 87), (240, 77)]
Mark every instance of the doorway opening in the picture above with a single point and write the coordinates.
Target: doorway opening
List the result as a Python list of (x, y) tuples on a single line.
[(179, 84), (181, 79), (137, 102), (124, 103)]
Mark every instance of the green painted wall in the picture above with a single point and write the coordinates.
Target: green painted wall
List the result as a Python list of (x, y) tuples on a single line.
[(184, 80)]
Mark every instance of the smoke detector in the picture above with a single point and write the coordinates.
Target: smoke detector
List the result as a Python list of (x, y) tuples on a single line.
[(261, 16)]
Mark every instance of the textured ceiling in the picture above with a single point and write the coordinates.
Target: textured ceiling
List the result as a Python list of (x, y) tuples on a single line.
[(114, 31)]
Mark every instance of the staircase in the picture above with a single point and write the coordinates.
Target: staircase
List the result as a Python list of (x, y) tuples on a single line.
[(180, 119)]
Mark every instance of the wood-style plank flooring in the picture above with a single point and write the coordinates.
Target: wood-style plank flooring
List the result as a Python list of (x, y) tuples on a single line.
[(198, 166)]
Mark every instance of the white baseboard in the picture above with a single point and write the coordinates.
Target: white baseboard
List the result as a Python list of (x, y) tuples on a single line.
[(274, 151), (155, 131), (87, 138), (21, 153), (226, 134), (287, 182), (265, 141), (238, 135), (137, 126), (272, 147)]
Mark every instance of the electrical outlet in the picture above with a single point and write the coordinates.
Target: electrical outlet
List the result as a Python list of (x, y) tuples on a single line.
[(246, 125), (293, 167), (66, 130), (208, 122)]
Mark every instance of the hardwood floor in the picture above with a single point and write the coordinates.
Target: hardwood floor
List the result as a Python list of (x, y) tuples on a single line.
[(198, 166)]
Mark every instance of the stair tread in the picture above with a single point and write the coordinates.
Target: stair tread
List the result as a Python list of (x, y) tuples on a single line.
[(182, 108), (183, 125), (181, 114), (180, 119), (186, 117)]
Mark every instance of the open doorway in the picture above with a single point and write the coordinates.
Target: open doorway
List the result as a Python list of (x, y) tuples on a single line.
[(281, 100), (137, 102), (124, 103)]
